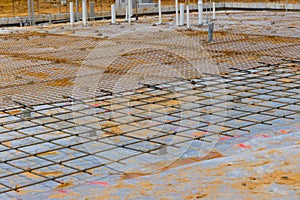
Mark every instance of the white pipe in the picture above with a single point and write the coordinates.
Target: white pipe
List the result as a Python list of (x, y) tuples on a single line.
[(29, 8), (113, 14), (77, 15), (126, 13), (32, 12), (188, 16), (159, 12), (214, 10), (200, 13), (176, 12), (71, 14), (181, 21), (129, 11), (131, 8), (84, 12)]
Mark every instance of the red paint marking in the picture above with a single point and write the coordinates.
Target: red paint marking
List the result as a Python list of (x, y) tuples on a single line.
[(283, 131), (96, 105), (99, 183), (264, 136), (225, 138), (244, 146), (63, 191)]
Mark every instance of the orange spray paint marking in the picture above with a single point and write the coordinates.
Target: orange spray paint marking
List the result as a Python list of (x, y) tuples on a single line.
[(198, 134), (99, 183), (283, 131), (244, 146)]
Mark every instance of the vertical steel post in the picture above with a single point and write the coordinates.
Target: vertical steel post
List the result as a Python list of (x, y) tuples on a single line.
[(210, 31)]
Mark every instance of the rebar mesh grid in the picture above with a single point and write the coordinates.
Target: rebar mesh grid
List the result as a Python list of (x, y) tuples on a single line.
[(114, 133), (47, 63)]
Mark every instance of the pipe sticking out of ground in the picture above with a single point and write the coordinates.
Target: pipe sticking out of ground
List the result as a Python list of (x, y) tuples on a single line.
[(129, 11), (181, 21), (84, 12), (71, 14), (113, 14), (214, 10), (32, 13), (126, 13), (159, 12), (188, 16), (200, 13), (92, 11), (176, 12), (29, 8)]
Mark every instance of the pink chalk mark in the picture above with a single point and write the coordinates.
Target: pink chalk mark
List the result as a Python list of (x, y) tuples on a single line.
[(99, 183), (244, 146)]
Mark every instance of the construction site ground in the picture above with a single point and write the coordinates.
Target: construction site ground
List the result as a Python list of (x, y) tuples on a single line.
[(152, 111)]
